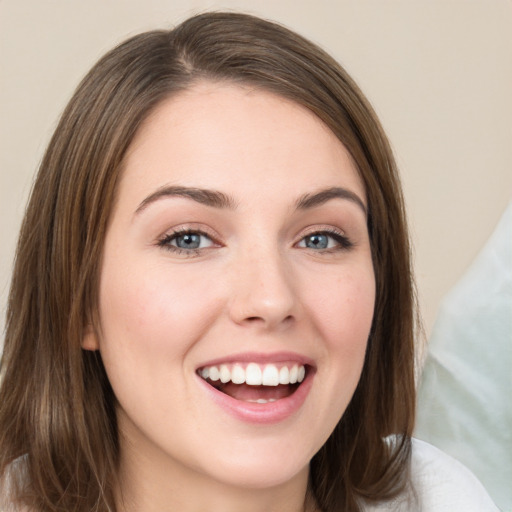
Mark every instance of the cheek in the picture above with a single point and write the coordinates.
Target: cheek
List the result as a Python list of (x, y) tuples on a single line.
[(343, 308), (154, 310), (150, 321), (342, 312)]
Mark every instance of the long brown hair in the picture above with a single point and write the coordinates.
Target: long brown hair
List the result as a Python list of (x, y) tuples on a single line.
[(58, 432)]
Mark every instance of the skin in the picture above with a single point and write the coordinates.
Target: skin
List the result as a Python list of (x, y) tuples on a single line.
[(253, 285)]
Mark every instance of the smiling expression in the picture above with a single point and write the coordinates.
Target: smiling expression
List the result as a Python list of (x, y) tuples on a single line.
[(237, 288)]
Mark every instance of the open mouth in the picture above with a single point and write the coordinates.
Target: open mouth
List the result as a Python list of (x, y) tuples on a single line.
[(252, 382)]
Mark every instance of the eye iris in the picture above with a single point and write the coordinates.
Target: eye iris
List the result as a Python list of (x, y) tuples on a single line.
[(317, 241), (188, 241)]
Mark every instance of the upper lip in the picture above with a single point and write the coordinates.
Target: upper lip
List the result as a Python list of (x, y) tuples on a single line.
[(260, 358)]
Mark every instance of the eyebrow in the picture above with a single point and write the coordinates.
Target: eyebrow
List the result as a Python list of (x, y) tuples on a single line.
[(218, 199), (318, 198), (211, 198)]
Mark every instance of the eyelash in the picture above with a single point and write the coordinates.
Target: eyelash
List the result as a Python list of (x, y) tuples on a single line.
[(165, 241), (342, 241)]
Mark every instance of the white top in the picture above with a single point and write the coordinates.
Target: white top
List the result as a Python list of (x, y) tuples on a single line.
[(441, 484)]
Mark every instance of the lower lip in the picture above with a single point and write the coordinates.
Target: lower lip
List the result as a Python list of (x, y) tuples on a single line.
[(271, 412)]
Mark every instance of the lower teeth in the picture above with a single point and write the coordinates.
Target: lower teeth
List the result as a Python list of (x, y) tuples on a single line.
[(262, 401)]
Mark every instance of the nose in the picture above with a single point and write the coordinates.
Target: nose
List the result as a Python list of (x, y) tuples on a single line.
[(263, 294)]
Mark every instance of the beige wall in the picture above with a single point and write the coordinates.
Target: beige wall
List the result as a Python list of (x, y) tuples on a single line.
[(439, 74)]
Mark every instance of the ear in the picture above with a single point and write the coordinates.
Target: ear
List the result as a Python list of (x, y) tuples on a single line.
[(90, 340)]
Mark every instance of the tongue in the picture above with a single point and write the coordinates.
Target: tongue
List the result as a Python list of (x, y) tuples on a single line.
[(246, 393)]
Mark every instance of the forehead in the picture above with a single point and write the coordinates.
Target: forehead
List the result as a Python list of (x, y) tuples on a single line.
[(237, 138)]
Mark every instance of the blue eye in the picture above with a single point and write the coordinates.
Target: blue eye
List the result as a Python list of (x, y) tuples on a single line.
[(317, 241), (186, 241), (325, 240)]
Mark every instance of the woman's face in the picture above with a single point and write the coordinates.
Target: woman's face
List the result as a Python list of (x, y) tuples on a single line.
[(237, 261)]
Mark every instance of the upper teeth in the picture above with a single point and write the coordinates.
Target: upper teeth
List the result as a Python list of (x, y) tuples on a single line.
[(254, 374)]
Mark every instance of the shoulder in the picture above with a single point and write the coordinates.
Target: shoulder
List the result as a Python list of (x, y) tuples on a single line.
[(443, 483), (439, 484)]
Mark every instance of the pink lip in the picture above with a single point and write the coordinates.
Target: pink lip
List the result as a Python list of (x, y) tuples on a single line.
[(272, 412)]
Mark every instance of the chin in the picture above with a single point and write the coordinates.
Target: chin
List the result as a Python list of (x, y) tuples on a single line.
[(262, 465), (265, 475)]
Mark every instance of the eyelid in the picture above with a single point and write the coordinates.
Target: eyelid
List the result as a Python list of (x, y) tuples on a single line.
[(191, 227)]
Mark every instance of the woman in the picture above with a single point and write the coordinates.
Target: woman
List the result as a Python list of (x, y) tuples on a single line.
[(212, 305)]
